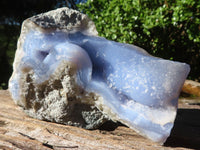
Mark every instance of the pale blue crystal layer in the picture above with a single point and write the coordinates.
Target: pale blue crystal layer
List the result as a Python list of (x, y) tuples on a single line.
[(141, 90)]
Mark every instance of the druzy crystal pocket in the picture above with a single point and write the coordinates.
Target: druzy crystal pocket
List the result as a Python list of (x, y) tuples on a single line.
[(64, 72)]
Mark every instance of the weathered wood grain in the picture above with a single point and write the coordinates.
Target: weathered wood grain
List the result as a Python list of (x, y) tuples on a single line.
[(18, 131)]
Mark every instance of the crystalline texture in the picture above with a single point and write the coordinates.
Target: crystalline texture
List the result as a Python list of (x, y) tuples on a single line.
[(67, 74)]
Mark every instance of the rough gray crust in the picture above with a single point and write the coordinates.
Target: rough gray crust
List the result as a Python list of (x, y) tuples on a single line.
[(60, 99), (65, 19), (57, 99), (62, 19)]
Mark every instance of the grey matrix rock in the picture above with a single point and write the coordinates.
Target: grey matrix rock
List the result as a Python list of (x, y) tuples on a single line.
[(64, 72), (58, 99)]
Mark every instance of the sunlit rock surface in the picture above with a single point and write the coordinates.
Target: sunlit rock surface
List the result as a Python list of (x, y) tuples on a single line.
[(65, 73)]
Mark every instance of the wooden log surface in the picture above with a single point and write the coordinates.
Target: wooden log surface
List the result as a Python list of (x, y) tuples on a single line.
[(18, 131)]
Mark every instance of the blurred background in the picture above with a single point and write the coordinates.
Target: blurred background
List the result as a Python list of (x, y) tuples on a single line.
[(165, 28)]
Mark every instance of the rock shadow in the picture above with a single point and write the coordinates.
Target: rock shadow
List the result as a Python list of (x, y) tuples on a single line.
[(186, 130)]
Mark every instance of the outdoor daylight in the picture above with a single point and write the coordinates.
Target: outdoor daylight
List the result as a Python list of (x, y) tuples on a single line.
[(99, 74)]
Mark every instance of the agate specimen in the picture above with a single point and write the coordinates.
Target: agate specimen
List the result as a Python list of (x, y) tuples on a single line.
[(65, 73)]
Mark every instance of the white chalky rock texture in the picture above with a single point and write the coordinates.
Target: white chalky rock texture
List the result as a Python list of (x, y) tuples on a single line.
[(64, 72)]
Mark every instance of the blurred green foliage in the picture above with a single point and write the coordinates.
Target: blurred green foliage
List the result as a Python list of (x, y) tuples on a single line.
[(165, 28), (8, 38)]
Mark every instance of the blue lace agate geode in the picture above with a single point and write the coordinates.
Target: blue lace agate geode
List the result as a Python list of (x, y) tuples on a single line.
[(64, 72)]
